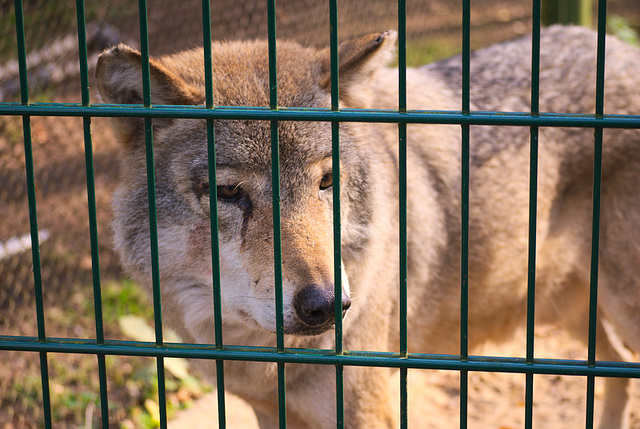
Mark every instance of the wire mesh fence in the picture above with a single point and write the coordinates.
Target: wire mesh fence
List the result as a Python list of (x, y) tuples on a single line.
[(59, 160)]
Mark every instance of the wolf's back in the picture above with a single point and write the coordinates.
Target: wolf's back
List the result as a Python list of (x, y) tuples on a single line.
[(501, 74)]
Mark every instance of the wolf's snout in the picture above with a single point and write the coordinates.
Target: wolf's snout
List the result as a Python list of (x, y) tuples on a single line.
[(315, 305)]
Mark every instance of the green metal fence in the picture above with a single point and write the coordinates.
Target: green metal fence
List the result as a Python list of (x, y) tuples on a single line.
[(463, 362)]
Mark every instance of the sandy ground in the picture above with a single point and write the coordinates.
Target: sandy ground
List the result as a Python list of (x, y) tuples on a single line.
[(495, 400)]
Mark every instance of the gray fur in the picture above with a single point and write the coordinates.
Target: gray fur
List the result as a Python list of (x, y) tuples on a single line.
[(369, 203)]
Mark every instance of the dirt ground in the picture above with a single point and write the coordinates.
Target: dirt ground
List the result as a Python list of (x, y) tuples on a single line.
[(496, 401)]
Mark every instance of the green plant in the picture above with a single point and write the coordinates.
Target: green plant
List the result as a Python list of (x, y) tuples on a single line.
[(623, 30)]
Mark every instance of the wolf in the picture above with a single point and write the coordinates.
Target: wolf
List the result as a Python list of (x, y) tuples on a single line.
[(369, 171)]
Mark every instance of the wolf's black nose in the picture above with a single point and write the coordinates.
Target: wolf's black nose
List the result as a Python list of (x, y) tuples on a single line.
[(315, 305)]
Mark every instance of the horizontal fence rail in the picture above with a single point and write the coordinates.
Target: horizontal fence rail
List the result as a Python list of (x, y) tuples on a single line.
[(326, 357), (567, 120)]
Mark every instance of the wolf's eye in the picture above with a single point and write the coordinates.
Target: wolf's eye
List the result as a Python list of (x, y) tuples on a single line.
[(201, 189), (228, 193), (327, 181)]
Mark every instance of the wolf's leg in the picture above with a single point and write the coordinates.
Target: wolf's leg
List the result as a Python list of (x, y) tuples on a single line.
[(270, 419), (266, 421), (566, 303), (615, 410), (367, 402), (311, 400), (616, 397)]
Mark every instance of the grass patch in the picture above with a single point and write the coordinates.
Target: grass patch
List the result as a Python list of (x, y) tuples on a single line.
[(623, 30), (426, 50), (132, 381), (124, 298)]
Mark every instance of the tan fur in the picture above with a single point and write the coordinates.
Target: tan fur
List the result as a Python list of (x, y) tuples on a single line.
[(369, 202)]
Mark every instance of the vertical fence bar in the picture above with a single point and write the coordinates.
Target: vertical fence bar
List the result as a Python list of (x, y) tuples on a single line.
[(275, 180), (33, 212), (337, 236), (464, 207), (402, 168), (153, 216), (533, 207), (213, 210), (91, 204), (597, 187)]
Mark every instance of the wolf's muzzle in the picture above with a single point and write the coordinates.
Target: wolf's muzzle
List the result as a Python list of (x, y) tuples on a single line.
[(315, 305)]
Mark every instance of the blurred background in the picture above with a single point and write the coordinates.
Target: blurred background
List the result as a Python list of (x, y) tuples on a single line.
[(434, 32)]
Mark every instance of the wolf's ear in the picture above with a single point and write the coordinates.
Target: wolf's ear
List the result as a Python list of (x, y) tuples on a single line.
[(119, 77), (359, 59)]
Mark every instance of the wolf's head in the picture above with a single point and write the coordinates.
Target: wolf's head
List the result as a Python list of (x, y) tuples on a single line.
[(244, 189)]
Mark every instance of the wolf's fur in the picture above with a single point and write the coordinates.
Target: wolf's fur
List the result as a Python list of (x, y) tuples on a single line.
[(369, 186)]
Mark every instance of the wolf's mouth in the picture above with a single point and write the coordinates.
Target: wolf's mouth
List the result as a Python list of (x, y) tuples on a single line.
[(300, 327), (305, 330)]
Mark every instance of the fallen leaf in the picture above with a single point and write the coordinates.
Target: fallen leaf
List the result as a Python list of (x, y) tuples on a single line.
[(154, 410), (137, 328)]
